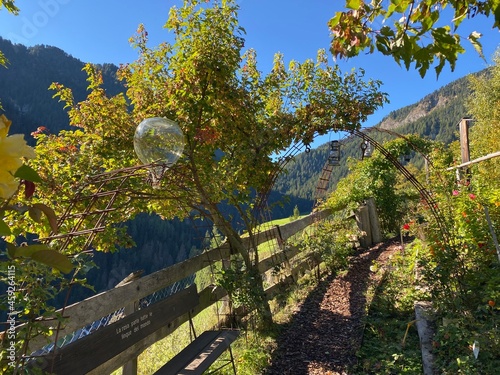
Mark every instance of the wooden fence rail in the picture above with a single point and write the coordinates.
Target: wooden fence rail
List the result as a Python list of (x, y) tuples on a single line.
[(83, 313)]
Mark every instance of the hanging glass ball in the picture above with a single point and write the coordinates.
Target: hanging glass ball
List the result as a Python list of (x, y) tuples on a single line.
[(160, 140)]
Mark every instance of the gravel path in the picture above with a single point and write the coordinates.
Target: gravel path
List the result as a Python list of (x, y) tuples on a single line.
[(326, 331)]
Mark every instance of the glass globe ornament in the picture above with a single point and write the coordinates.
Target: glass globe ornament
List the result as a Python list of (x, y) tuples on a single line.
[(158, 140)]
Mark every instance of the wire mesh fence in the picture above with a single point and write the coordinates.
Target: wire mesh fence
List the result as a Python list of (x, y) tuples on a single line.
[(116, 316)]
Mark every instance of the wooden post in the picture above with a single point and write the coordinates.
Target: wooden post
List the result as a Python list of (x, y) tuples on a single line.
[(374, 221), (363, 221), (130, 368), (226, 307), (464, 145)]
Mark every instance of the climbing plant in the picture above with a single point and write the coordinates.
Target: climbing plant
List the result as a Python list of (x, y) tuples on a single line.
[(376, 177), (234, 118)]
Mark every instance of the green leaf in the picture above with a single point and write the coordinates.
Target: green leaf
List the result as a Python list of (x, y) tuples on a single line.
[(51, 215), (35, 214), (398, 6), (474, 39), (25, 172), (440, 66), (390, 10), (383, 45), (335, 20), (4, 228), (27, 251), (53, 259), (353, 4), (386, 31)]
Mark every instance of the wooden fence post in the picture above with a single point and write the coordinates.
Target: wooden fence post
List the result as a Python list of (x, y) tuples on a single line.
[(281, 246), (363, 221), (464, 146), (374, 221), (130, 368)]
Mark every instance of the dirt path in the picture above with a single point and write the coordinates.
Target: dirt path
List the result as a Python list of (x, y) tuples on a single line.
[(326, 331)]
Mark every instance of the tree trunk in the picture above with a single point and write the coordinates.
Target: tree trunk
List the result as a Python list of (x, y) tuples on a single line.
[(262, 304), (236, 242)]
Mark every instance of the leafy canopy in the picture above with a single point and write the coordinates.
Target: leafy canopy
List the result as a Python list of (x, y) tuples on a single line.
[(410, 31), (235, 119)]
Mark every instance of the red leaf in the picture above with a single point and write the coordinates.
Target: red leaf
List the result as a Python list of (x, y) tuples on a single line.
[(29, 189)]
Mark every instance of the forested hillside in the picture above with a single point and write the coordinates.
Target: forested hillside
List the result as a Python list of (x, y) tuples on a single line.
[(28, 102), (24, 86), (436, 116)]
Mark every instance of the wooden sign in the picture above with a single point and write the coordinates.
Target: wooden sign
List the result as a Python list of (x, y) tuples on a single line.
[(98, 347)]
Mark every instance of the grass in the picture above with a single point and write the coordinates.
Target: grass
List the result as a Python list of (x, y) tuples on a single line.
[(390, 343), (162, 351)]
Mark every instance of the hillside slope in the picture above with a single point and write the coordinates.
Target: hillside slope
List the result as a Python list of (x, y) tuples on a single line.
[(436, 116), (24, 86), (27, 101)]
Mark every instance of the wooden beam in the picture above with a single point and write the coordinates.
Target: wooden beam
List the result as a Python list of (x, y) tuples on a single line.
[(478, 160), (89, 352), (91, 309)]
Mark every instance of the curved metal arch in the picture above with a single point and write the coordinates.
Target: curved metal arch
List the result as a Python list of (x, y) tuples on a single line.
[(424, 193)]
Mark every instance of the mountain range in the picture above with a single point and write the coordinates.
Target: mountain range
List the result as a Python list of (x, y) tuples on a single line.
[(27, 101)]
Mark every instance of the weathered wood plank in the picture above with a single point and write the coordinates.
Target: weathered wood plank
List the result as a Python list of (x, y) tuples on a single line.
[(374, 221), (207, 297), (197, 357), (478, 160), (363, 222), (105, 303), (89, 352)]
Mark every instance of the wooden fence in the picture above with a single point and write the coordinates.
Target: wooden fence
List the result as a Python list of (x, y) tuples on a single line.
[(83, 313)]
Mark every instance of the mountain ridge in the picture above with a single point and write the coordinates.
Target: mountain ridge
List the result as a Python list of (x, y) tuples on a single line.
[(27, 101), (29, 104)]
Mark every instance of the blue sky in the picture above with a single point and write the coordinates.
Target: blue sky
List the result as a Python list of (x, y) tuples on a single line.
[(98, 31)]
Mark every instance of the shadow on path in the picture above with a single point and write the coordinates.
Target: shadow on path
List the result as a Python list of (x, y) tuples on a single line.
[(324, 335)]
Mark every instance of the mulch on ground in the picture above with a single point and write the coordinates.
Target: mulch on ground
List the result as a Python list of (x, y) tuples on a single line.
[(327, 329)]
